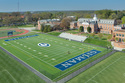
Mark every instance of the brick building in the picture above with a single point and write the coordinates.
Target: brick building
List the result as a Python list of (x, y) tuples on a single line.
[(97, 25), (119, 37), (51, 22)]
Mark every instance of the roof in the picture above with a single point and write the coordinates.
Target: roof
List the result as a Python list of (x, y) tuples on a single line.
[(101, 21), (50, 20), (121, 31), (106, 21), (73, 22)]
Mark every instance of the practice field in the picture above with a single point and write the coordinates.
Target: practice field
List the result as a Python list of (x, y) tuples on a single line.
[(5, 33), (12, 71), (111, 70), (44, 52)]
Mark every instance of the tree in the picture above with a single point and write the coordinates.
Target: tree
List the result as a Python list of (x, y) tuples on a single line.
[(35, 17), (93, 34), (113, 16), (87, 16), (45, 29), (104, 13), (65, 23), (100, 35), (42, 28), (15, 14), (116, 39), (76, 18), (123, 20), (56, 27), (81, 29), (28, 17), (46, 15), (48, 28), (89, 29), (120, 14), (6, 21), (109, 37)]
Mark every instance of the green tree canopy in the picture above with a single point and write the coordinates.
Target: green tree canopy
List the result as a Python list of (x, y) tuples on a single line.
[(93, 34), (65, 23), (109, 37), (42, 27), (100, 35), (123, 20), (113, 16), (89, 29), (81, 29)]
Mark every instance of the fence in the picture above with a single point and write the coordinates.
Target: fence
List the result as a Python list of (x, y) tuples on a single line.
[(84, 68), (67, 76), (46, 79)]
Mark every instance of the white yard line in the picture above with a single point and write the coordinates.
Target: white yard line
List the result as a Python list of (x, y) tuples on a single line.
[(10, 75), (104, 69), (31, 54), (52, 51)]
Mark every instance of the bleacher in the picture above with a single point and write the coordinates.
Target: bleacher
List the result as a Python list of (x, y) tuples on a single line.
[(73, 37)]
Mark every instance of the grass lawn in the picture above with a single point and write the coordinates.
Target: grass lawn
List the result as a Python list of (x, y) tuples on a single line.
[(44, 59), (101, 42), (55, 33), (12, 71), (98, 42), (110, 70), (72, 31), (26, 26)]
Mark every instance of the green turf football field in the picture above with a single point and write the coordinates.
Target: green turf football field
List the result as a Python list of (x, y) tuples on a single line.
[(111, 70), (44, 59), (12, 71)]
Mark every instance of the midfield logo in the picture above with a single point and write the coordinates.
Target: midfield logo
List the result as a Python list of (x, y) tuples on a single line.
[(44, 45)]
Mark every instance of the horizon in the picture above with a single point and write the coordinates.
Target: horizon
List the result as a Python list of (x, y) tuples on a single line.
[(59, 10), (56, 5)]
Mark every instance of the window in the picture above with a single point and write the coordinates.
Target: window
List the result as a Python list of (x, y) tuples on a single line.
[(122, 35), (119, 34), (116, 34)]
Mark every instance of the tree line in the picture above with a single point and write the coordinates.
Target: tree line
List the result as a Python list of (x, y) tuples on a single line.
[(28, 17)]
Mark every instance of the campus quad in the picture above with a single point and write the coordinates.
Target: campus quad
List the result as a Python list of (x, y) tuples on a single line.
[(46, 53)]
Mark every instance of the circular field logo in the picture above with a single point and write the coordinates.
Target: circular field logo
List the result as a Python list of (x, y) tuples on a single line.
[(44, 45)]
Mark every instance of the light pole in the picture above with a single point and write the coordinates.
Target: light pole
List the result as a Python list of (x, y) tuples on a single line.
[(18, 5)]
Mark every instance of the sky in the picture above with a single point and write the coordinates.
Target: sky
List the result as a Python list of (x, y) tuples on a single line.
[(53, 5)]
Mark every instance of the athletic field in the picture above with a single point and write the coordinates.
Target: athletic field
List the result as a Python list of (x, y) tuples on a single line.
[(44, 59), (110, 70), (12, 71)]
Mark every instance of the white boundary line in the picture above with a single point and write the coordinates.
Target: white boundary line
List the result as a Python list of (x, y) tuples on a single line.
[(103, 69), (30, 54), (10, 75), (54, 55), (26, 64), (59, 54)]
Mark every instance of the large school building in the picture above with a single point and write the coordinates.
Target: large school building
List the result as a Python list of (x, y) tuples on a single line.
[(106, 26), (97, 25), (51, 22)]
